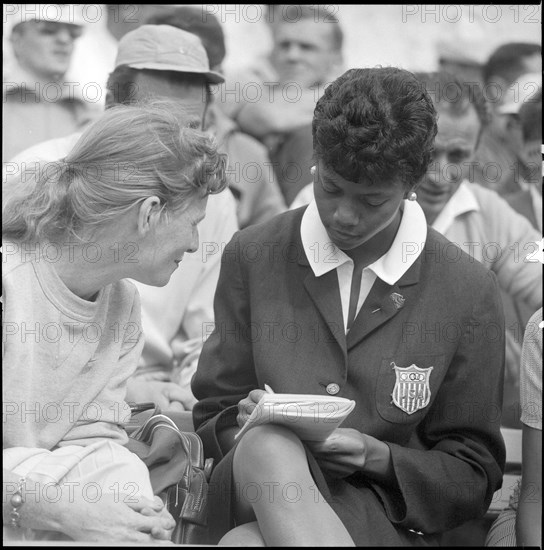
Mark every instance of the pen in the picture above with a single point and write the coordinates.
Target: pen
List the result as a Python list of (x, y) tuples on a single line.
[(268, 389)]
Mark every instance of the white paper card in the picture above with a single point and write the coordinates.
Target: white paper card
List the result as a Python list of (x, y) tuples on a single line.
[(311, 417)]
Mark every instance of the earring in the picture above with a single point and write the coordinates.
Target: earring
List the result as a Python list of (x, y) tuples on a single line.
[(312, 170), (412, 196)]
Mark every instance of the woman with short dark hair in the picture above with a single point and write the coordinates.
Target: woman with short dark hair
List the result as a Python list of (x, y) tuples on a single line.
[(354, 297)]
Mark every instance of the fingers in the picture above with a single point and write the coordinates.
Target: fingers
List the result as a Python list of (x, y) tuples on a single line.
[(164, 529), (159, 376), (255, 395), (155, 505), (162, 532), (175, 406), (180, 398), (174, 392), (315, 447), (247, 405), (162, 402), (138, 532), (162, 525), (158, 521), (326, 447), (245, 408)]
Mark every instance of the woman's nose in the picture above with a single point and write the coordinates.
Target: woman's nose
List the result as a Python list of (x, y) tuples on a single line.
[(194, 242), (346, 214)]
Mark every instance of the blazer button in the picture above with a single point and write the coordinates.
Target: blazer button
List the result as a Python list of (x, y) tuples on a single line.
[(333, 389)]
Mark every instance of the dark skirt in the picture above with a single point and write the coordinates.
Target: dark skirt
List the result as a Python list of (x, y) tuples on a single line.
[(357, 505)]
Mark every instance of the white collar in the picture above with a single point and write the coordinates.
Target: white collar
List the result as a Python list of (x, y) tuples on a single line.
[(462, 201), (324, 256)]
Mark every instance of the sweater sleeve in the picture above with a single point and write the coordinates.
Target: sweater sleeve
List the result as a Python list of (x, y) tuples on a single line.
[(131, 350)]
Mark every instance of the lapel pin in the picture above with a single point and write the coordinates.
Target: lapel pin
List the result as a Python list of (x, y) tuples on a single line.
[(398, 299)]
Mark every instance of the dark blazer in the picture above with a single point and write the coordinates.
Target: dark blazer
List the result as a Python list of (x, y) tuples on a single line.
[(276, 323)]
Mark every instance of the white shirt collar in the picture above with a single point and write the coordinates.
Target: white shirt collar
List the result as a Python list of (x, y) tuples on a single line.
[(462, 201), (324, 256)]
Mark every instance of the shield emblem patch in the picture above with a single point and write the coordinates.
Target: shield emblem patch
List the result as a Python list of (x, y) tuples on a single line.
[(411, 392)]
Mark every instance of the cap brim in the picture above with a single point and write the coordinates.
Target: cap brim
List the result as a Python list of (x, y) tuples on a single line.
[(211, 76)]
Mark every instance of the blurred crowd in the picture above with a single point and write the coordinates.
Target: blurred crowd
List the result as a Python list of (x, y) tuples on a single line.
[(261, 115), (485, 194)]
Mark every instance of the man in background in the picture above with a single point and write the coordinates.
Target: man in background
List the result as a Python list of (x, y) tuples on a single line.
[(529, 202), (38, 103), (251, 177), (499, 163), (306, 55)]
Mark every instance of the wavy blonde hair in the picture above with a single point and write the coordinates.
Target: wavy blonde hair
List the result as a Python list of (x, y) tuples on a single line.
[(129, 154)]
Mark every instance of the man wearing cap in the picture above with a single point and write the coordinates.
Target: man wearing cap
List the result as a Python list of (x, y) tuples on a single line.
[(252, 179), (38, 104), (162, 61), (511, 74)]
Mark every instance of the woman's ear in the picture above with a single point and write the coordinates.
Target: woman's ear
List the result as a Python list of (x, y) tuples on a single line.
[(148, 215)]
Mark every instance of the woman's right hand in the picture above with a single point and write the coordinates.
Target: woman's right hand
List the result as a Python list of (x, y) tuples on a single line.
[(118, 518), (246, 406)]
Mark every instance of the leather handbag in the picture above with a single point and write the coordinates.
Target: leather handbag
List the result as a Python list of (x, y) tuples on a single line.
[(179, 473)]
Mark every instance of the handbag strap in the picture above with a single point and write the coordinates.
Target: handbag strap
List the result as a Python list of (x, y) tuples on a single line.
[(141, 413)]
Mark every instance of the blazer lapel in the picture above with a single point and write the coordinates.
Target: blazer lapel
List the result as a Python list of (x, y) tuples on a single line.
[(383, 302), (325, 293), (376, 310)]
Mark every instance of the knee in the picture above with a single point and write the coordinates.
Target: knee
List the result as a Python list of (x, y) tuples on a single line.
[(264, 448), (247, 534)]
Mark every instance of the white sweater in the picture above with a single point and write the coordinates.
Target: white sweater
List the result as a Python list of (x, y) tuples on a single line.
[(65, 360)]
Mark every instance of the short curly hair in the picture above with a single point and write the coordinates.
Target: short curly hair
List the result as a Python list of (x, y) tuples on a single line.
[(375, 125)]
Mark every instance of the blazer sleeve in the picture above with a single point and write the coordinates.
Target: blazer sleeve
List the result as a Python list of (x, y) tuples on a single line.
[(451, 475), (226, 371)]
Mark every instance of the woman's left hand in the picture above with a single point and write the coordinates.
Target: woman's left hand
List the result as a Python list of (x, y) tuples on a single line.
[(342, 453)]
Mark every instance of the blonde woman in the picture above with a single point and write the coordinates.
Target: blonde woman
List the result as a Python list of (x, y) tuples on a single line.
[(125, 203)]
